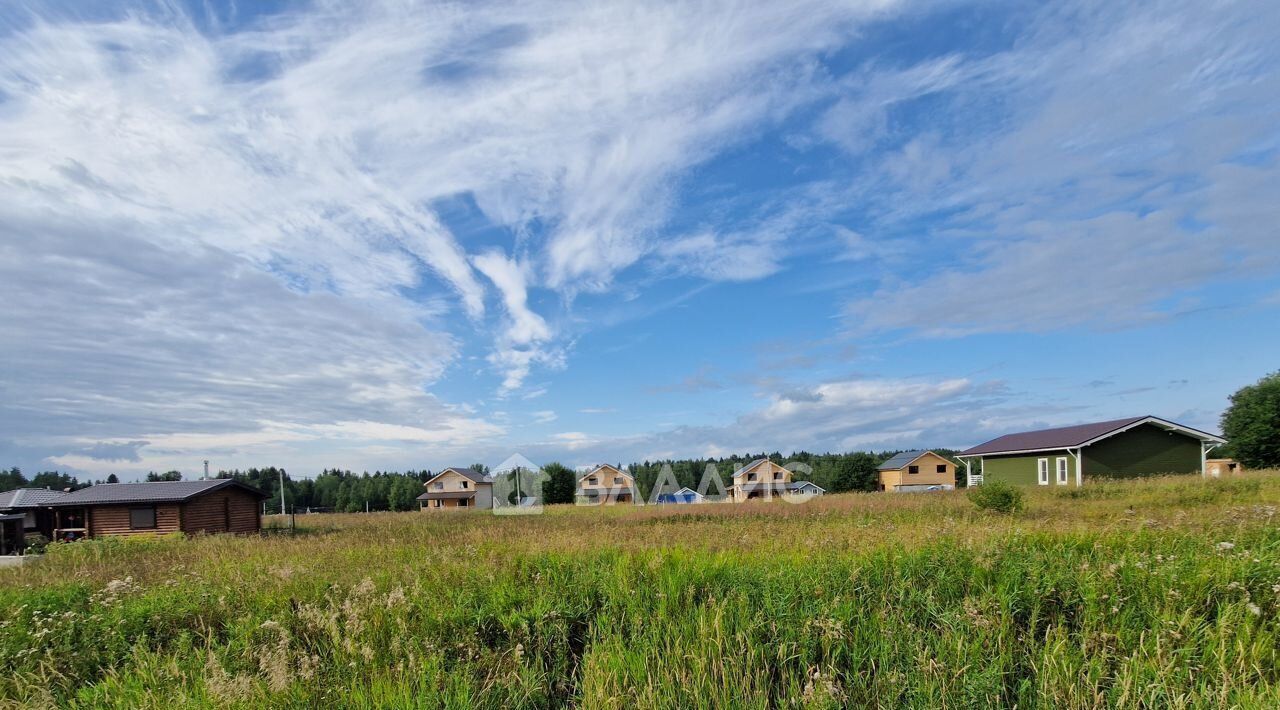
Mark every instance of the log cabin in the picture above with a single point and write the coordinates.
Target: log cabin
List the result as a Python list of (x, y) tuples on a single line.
[(211, 506)]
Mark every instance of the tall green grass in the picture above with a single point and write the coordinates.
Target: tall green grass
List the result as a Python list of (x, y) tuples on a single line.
[(1150, 594)]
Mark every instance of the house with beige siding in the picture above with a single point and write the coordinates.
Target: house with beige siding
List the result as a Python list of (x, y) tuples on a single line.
[(764, 479), (457, 488), (917, 471), (606, 485)]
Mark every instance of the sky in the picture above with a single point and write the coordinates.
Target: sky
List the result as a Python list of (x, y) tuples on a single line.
[(404, 235)]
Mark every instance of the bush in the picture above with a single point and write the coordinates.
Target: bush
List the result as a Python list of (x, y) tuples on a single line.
[(36, 543), (998, 496)]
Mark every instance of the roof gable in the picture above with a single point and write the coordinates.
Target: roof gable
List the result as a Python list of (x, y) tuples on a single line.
[(902, 460), (1075, 436), (606, 467), (464, 472)]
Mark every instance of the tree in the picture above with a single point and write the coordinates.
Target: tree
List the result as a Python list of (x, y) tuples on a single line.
[(55, 481), (479, 468), (1252, 423), (855, 472), (112, 478), (166, 476), (561, 484), (12, 479)]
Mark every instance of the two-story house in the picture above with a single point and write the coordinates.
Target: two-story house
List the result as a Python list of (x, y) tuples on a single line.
[(606, 485), (761, 478), (455, 488)]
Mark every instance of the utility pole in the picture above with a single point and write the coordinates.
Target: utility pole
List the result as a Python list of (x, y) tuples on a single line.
[(282, 491)]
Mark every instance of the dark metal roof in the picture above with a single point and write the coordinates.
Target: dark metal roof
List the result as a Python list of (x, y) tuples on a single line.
[(465, 473), (447, 495), (1072, 436), (149, 492), (901, 460), (28, 498)]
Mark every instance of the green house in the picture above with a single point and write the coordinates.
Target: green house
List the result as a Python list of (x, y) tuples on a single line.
[(1069, 456)]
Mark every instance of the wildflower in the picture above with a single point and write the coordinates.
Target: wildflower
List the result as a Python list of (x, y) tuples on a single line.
[(1254, 609), (1224, 546)]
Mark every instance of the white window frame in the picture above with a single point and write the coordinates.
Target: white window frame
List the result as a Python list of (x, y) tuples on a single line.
[(1064, 470), (1042, 471), (436, 503)]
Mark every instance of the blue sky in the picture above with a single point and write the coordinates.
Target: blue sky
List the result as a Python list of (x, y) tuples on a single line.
[(408, 235)]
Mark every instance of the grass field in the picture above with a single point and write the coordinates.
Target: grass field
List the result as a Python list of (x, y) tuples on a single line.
[(1155, 594)]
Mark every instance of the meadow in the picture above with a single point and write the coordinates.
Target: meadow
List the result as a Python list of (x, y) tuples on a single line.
[(1161, 593)]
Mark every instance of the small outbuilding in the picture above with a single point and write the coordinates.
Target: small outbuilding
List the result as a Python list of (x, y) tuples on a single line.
[(222, 505), (912, 471), (32, 505), (1217, 468), (1069, 456), (684, 496)]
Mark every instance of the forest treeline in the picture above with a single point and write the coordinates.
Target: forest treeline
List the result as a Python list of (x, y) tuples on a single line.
[(340, 490)]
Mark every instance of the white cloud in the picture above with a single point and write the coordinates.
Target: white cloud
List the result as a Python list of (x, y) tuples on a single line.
[(1094, 173)]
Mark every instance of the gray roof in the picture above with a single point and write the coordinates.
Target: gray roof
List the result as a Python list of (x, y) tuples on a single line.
[(1078, 435), (797, 485), (901, 460), (28, 498), (465, 473), (149, 492)]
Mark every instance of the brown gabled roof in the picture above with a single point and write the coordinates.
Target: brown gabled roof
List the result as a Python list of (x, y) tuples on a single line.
[(149, 492), (1073, 436)]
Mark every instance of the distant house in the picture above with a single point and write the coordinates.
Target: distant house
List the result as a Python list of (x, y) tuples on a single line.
[(763, 478), (455, 488), (222, 505), (606, 485), (917, 471), (682, 496), (805, 489), (32, 504), (1069, 456)]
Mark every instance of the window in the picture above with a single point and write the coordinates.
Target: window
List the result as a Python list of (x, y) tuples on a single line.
[(439, 486), (913, 469), (142, 518), (942, 468), (1042, 469), (777, 475), (466, 485), (463, 502), (436, 503), (617, 480), (751, 477), (1062, 470), (592, 481)]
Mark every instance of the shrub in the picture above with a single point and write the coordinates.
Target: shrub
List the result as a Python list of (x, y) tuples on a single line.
[(998, 496)]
